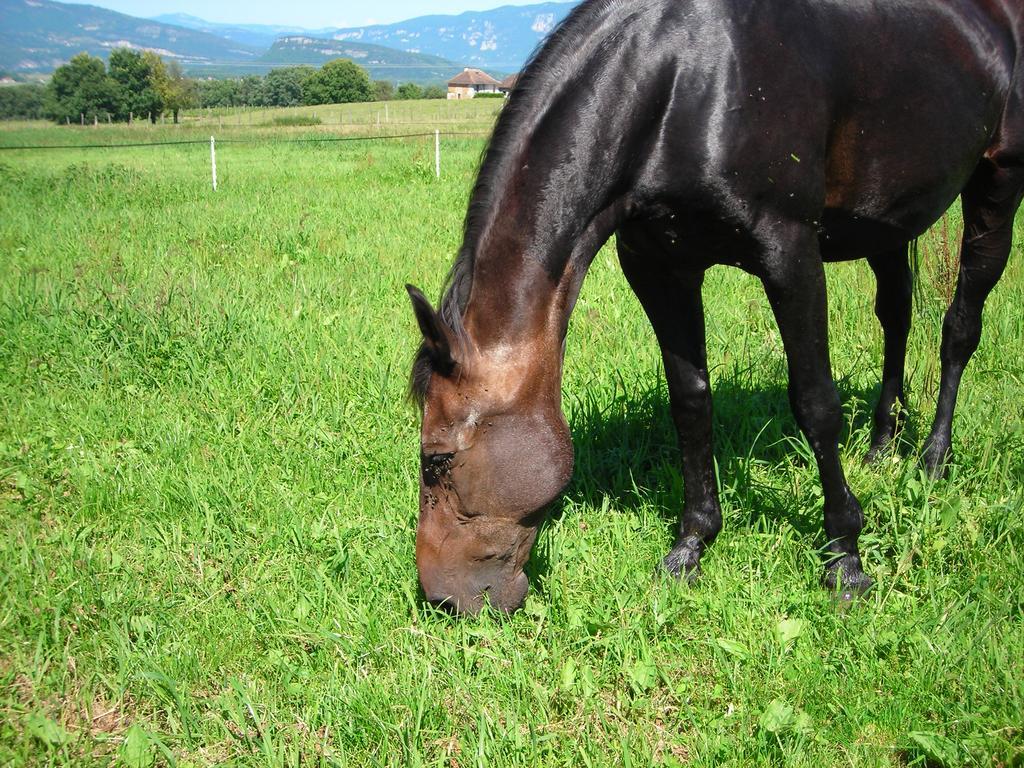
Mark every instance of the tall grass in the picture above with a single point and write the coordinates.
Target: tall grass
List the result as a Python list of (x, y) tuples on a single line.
[(208, 499)]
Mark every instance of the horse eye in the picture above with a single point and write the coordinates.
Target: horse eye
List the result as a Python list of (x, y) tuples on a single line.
[(435, 466)]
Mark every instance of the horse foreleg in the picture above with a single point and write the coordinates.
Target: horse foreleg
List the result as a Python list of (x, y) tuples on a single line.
[(673, 304), (990, 201), (794, 279), (893, 299)]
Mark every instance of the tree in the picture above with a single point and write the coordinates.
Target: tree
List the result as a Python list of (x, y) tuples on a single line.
[(337, 82), (284, 87), (22, 101), (250, 91), (81, 88), (176, 92), (133, 72), (217, 93), (409, 91), (383, 90), (435, 92)]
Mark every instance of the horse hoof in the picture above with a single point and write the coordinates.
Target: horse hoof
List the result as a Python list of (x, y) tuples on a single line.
[(936, 461), (846, 580), (682, 563), (874, 453), (880, 445)]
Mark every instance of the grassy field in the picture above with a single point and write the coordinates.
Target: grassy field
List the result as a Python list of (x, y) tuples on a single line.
[(378, 117), (208, 497)]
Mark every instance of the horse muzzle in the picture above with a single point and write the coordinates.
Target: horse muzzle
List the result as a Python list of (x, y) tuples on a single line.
[(467, 596)]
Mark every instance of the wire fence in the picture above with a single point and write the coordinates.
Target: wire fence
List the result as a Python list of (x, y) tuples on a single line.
[(257, 140), (250, 140)]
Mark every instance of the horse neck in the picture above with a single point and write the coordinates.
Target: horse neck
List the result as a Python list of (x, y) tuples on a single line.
[(556, 181), (541, 222)]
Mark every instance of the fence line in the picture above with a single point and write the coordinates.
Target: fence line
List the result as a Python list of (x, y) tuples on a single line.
[(251, 140)]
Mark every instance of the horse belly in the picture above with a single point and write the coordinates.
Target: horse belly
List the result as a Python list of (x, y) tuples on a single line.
[(906, 134)]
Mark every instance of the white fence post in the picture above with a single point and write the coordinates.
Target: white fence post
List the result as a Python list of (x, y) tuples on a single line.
[(437, 152), (213, 162)]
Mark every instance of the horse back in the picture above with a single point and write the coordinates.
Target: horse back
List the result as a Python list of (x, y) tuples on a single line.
[(864, 116)]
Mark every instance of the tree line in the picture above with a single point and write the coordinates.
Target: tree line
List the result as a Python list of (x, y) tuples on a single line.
[(342, 82), (139, 85)]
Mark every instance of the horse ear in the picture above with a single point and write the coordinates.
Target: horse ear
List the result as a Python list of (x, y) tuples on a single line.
[(437, 336)]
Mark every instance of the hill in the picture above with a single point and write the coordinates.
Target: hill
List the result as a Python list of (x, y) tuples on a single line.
[(40, 35), (37, 36), (382, 63), (500, 38), (260, 36)]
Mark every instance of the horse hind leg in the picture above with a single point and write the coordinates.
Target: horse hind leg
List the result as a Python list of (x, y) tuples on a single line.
[(794, 280), (990, 201), (893, 303)]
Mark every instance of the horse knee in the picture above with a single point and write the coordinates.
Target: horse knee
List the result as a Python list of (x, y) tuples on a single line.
[(691, 394), (690, 401), (819, 414)]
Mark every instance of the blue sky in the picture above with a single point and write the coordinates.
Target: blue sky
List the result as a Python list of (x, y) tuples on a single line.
[(303, 13)]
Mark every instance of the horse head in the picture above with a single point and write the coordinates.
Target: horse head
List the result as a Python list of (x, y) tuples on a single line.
[(494, 452)]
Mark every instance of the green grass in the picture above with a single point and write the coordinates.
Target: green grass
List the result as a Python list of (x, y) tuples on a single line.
[(208, 498), (289, 121), (398, 116)]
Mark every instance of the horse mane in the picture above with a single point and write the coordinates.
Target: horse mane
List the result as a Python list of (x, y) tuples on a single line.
[(552, 59)]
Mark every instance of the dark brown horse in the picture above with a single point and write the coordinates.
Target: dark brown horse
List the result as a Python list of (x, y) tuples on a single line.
[(773, 136)]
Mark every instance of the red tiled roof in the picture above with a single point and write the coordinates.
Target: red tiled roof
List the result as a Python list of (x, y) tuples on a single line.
[(510, 81), (472, 77)]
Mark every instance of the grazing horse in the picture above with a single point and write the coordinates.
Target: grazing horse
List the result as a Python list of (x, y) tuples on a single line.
[(773, 136)]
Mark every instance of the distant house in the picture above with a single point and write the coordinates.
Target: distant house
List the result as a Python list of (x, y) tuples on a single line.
[(506, 85), (469, 82)]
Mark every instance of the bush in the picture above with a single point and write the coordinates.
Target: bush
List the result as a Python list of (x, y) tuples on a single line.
[(489, 96)]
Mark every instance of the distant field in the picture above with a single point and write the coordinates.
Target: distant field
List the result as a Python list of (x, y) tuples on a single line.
[(376, 117), (208, 491)]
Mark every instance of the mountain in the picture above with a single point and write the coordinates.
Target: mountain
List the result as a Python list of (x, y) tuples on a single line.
[(40, 35), (381, 63), (37, 36), (501, 38), (255, 35)]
